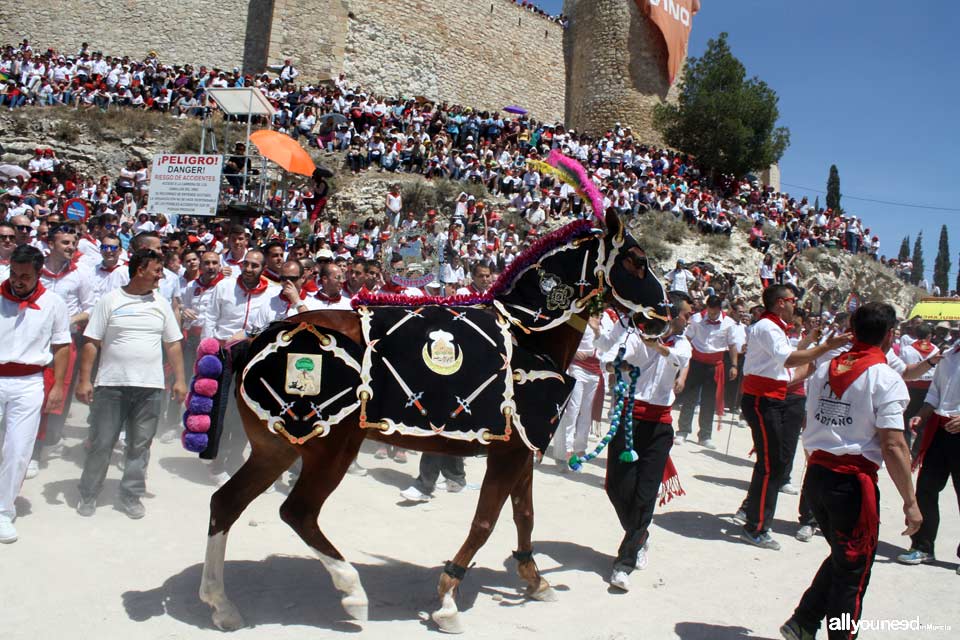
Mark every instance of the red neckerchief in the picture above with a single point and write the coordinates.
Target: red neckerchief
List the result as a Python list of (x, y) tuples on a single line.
[(775, 319), (271, 276), (206, 287), (707, 320), (260, 288), (30, 302), (669, 341), (472, 290), (189, 280), (321, 295), (109, 269), (310, 286), (233, 262), (923, 347), (71, 266), (847, 367), (391, 287), (346, 291), (303, 296), (89, 238)]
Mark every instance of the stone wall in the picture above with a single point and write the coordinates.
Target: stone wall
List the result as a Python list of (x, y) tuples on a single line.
[(180, 31), (616, 67), (482, 53)]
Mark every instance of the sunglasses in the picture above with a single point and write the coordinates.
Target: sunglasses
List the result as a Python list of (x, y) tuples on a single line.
[(791, 299), (6, 238), (109, 248), (111, 227), (25, 228), (289, 278)]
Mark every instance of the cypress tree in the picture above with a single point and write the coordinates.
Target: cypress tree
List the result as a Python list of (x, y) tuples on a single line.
[(833, 189), (917, 275), (941, 266), (904, 249)]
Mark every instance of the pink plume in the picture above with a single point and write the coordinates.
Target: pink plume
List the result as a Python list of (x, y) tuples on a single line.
[(585, 184)]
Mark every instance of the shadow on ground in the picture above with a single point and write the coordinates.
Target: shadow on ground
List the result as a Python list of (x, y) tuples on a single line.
[(703, 631)]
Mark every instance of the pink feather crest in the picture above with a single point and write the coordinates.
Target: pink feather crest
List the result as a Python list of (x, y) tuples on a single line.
[(583, 182)]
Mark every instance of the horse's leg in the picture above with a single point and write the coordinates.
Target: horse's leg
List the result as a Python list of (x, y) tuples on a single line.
[(504, 467), (325, 461), (522, 499), (269, 457)]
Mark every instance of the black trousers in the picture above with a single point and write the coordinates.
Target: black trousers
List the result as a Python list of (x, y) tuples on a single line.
[(433, 464), (942, 461), (841, 582), (731, 389), (794, 412), (701, 389), (917, 396), (633, 486), (766, 419)]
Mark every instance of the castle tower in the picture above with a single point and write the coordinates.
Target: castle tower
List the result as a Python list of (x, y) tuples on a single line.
[(615, 63)]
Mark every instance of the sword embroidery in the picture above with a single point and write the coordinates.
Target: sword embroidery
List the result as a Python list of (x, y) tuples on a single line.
[(410, 314), (463, 318), (413, 399), (285, 407), (465, 404), (317, 408)]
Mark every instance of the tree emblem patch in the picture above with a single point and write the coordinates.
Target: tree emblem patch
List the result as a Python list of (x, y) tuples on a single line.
[(303, 374)]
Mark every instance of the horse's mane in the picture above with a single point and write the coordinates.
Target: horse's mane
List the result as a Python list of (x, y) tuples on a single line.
[(563, 235)]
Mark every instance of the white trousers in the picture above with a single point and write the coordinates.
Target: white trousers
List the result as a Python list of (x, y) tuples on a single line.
[(575, 424), (21, 399)]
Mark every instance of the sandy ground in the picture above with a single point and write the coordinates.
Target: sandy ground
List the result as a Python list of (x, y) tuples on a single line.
[(110, 577)]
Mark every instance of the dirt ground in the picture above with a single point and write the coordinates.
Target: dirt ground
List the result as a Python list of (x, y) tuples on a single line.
[(110, 577)]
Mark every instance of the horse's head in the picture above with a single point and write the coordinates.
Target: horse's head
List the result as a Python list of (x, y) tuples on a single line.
[(632, 283)]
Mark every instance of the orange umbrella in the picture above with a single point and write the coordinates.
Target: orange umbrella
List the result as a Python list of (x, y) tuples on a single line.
[(284, 150)]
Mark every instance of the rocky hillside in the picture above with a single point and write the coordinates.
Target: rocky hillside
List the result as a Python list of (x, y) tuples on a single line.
[(95, 143)]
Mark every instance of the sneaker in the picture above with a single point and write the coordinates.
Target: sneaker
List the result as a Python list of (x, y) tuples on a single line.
[(87, 508), (133, 508), (8, 532), (763, 540), (915, 556), (169, 436), (219, 479), (740, 516), (805, 533), (356, 470), (620, 580), (441, 484), (791, 630), (400, 457), (33, 469), (678, 440), (381, 454), (642, 559), (454, 487), (789, 489), (708, 444), (412, 494)]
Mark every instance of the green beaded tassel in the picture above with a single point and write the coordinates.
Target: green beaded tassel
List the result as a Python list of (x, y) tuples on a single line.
[(622, 395)]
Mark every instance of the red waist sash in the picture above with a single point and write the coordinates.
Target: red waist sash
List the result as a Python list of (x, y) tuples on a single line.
[(590, 365), (934, 424), (646, 412), (17, 369), (764, 387), (863, 540), (719, 377)]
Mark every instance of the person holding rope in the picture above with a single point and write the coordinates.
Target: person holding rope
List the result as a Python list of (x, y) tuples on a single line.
[(855, 405), (638, 457)]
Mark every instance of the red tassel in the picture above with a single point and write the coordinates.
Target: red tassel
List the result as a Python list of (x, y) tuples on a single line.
[(670, 483)]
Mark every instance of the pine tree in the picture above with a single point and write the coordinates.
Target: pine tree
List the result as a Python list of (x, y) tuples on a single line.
[(833, 189), (816, 203), (904, 249), (941, 266), (917, 275)]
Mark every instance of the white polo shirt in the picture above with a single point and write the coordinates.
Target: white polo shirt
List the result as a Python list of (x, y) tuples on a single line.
[(767, 350), (232, 309), (944, 393), (657, 372), (104, 281), (849, 425), (198, 298), (910, 355), (322, 302), (707, 337), (278, 308), (36, 330), (613, 335), (131, 329), (74, 284)]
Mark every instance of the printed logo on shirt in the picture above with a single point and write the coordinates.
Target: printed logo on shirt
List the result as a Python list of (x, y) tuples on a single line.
[(831, 412)]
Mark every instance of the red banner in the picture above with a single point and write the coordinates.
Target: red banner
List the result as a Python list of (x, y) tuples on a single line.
[(674, 18)]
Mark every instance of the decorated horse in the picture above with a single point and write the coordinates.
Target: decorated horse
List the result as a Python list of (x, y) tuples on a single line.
[(465, 376)]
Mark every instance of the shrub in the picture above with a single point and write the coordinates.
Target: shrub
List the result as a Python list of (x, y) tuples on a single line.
[(67, 132)]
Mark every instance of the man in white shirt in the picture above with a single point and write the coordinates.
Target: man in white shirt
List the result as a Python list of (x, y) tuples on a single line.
[(633, 487), (232, 259), (290, 298), (712, 334), (236, 302), (680, 278), (939, 453), (330, 294), (104, 280), (855, 406), (130, 324), (8, 242), (765, 378), (40, 321), (916, 351)]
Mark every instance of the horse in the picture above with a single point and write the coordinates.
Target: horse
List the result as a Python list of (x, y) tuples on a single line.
[(618, 261)]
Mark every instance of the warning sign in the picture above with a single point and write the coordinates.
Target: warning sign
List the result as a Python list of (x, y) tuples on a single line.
[(185, 184)]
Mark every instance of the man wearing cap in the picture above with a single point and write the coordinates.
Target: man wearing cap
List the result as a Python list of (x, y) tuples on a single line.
[(939, 454), (712, 334), (41, 322)]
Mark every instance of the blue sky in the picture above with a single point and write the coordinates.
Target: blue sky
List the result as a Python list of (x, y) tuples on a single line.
[(871, 87)]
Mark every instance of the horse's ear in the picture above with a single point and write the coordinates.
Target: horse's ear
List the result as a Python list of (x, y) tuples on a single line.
[(612, 222)]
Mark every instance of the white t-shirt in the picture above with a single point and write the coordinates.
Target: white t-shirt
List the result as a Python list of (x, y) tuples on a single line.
[(767, 351), (848, 425), (35, 329), (131, 329), (657, 373), (708, 337), (944, 393)]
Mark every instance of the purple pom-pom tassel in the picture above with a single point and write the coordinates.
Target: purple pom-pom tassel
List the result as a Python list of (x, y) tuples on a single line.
[(198, 405), (209, 367), (194, 442)]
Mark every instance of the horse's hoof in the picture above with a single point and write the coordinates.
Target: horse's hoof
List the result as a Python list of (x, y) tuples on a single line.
[(357, 608), (448, 621), (228, 619), (547, 594)]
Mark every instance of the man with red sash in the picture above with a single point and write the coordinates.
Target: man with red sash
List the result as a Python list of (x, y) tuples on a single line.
[(855, 406), (633, 487), (913, 352), (711, 334), (939, 455), (74, 284), (41, 323), (769, 355)]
